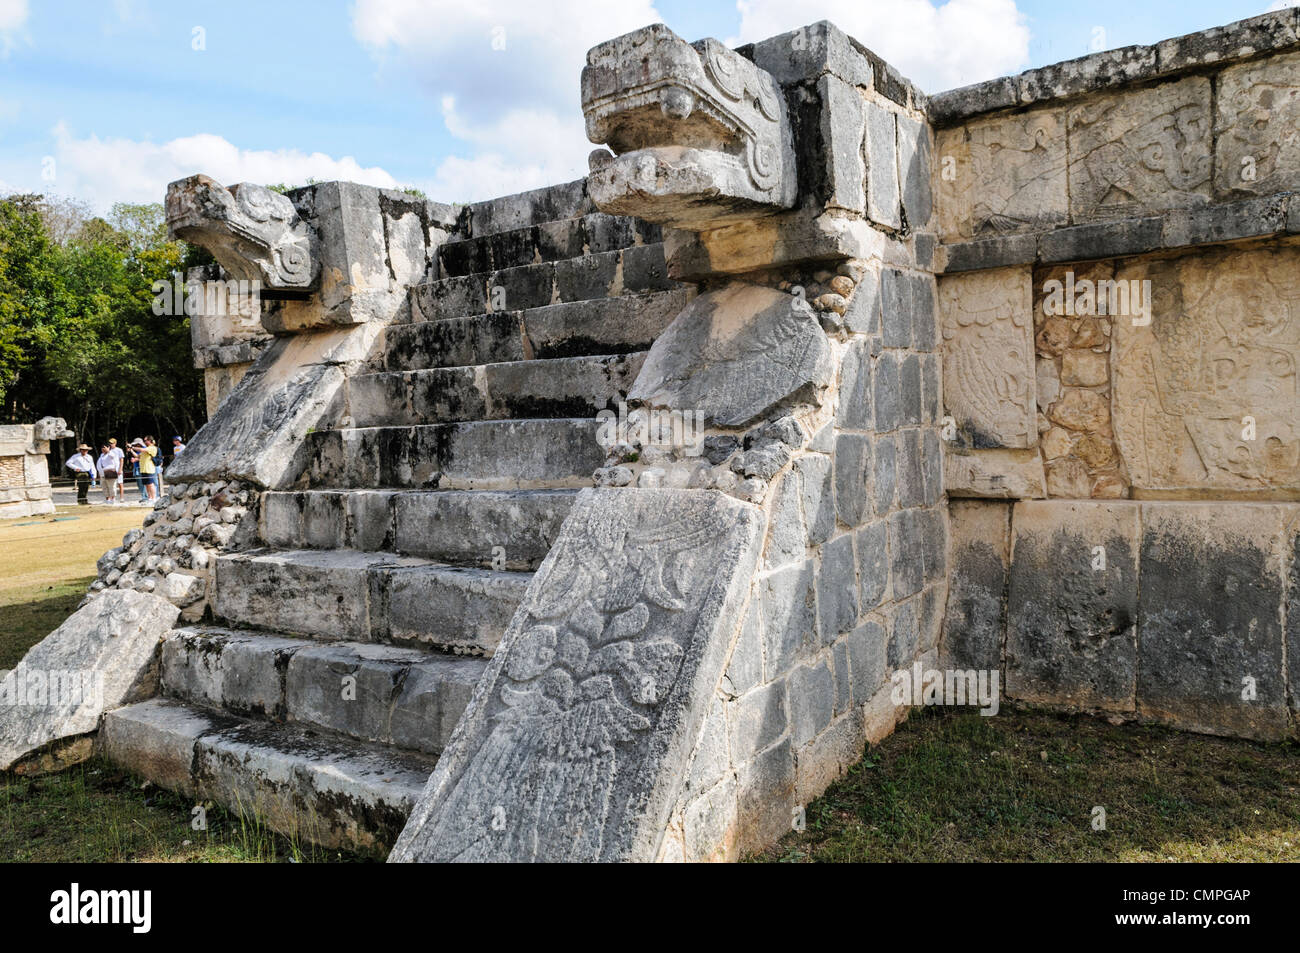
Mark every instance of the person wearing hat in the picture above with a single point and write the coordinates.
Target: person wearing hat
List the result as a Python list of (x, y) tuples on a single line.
[(178, 447), (109, 473), (134, 448), (118, 453), (82, 465), (148, 455)]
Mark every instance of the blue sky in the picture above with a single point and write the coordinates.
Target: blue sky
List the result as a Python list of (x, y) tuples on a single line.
[(110, 100)]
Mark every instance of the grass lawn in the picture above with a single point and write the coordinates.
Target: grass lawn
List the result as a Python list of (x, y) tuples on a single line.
[(94, 812), (46, 563), (1022, 786)]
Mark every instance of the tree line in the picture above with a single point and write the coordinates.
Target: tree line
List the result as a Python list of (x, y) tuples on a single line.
[(78, 335)]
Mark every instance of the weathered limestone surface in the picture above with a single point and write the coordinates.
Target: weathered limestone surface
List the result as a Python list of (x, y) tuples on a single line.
[(737, 354), (1213, 589), (1141, 151), (1257, 111), (975, 621), (256, 234), (1072, 605), (1206, 399), (995, 474), (101, 657), (260, 434), (988, 358), (700, 133), (1002, 175), (574, 745)]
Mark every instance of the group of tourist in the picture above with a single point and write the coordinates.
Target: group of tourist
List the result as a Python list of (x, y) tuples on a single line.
[(142, 459)]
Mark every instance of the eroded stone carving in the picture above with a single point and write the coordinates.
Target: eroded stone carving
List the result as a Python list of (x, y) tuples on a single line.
[(256, 234), (1136, 152), (736, 354), (577, 730), (1257, 127), (988, 357), (1206, 395), (1001, 175), (700, 133)]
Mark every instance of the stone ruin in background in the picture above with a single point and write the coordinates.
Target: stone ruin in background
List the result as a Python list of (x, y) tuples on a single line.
[(999, 381), (24, 468)]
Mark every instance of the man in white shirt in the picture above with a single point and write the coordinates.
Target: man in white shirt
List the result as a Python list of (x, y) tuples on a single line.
[(107, 465), (82, 465), (117, 451)]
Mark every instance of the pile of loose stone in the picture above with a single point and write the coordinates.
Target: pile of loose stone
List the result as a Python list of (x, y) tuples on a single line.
[(173, 553)]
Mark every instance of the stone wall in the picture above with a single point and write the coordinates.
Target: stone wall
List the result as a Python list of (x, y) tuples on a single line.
[(24, 468), (1121, 322)]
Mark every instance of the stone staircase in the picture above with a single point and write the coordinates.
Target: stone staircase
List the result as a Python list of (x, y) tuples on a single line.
[(346, 647)]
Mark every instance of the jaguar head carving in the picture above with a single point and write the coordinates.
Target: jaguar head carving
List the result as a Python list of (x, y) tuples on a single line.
[(256, 234), (700, 135)]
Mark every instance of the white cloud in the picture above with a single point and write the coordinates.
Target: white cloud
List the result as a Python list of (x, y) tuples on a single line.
[(13, 15), (104, 171), (506, 76), (1281, 5), (937, 47)]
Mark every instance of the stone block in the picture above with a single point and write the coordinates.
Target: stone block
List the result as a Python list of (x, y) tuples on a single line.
[(1209, 617), (1257, 112), (854, 410), (812, 698), (914, 170), (817, 493), (885, 392), (873, 564), (1072, 605), (1138, 151), (765, 809), (837, 588), (101, 657), (842, 130), (1204, 396), (828, 756), (1002, 174), (852, 472), (884, 473), (867, 662), (788, 603), (718, 356), (989, 378), (906, 553), (882, 167), (994, 474)]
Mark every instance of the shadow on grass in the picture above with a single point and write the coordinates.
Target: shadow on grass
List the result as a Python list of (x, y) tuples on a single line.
[(23, 624), (1025, 786)]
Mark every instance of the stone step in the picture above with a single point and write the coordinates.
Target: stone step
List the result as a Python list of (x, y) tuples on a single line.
[(633, 270), (550, 203), (547, 241), (367, 597), (501, 529), (307, 783), (568, 329), (408, 698), (474, 455), (555, 387)]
